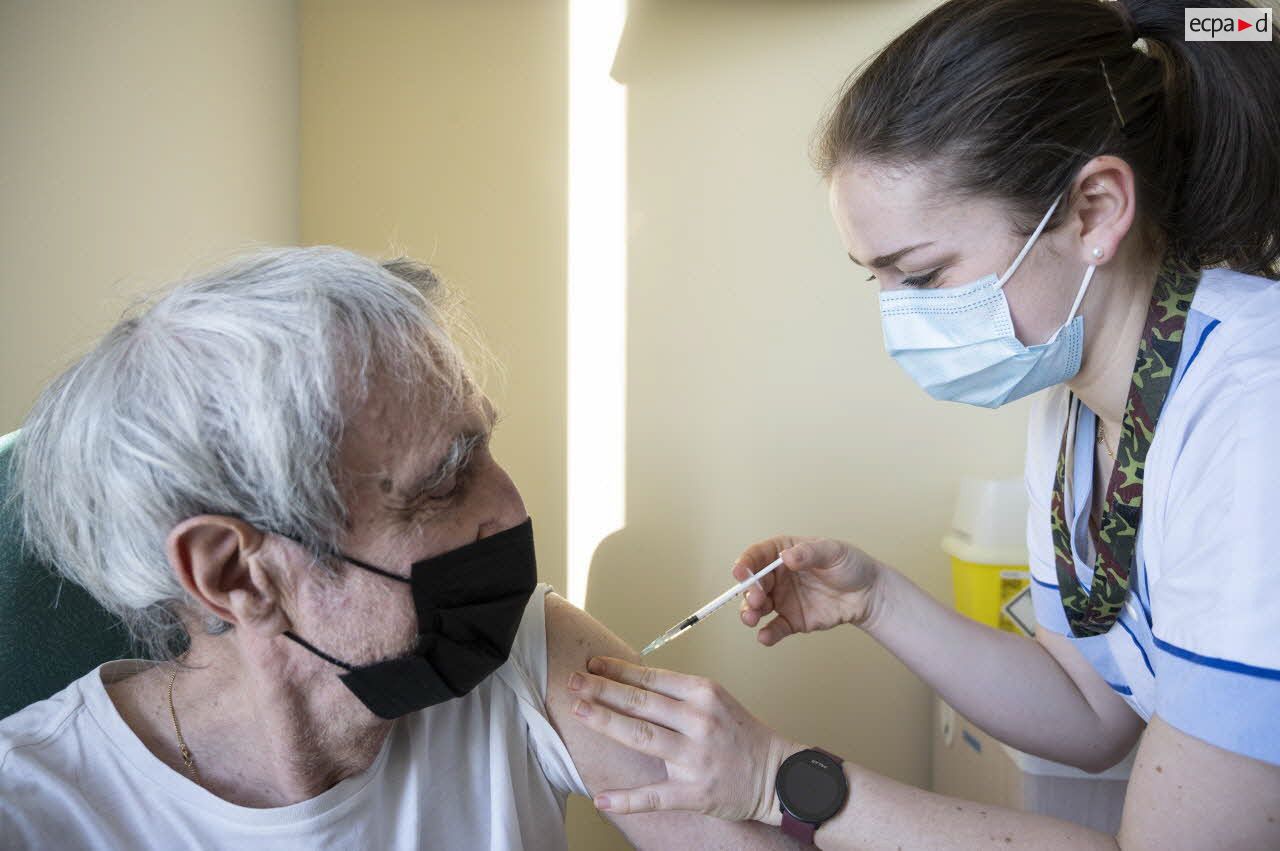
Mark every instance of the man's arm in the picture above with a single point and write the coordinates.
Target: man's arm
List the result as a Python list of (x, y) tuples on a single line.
[(573, 637)]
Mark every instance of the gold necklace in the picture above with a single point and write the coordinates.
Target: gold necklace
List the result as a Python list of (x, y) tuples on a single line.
[(1102, 438), (187, 759)]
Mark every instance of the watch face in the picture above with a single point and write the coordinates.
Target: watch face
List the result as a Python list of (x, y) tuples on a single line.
[(811, 786)]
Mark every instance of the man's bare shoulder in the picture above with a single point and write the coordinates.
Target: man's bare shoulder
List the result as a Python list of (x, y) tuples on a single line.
[(573, 637)]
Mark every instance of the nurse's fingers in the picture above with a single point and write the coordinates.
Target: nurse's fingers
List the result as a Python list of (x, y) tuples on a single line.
[(758, 596), (774, 631), (756, 599), (636, 702), (667, 683), (816, 554), (635, 733), (757, 556), (642, 799), (742, 571), (750, 617), (751, 614)]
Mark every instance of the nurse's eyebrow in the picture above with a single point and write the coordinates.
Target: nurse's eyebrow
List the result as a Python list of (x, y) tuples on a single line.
[(885, 260)]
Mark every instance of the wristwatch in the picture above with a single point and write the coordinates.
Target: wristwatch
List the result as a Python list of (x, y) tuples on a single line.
[(811, 789)]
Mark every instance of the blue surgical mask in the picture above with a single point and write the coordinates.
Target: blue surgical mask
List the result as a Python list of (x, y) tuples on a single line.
[(958, 343)]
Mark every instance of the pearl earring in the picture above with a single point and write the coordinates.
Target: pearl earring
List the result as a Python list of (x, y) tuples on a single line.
[(1097, 253)]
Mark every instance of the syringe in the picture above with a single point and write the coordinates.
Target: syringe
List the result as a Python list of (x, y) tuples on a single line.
[(697, 617)]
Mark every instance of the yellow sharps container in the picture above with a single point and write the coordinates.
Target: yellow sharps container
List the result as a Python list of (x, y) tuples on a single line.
[(988, 549)]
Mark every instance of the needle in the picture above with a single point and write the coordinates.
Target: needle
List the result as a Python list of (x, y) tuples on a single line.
[(697, 617)]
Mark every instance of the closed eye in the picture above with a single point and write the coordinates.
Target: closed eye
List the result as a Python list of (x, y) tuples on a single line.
[(451, 479), (921, 281), (918, 281), (450, 489)]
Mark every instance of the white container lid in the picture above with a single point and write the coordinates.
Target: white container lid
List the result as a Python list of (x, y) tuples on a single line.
[(990, 521), (1029, 764)]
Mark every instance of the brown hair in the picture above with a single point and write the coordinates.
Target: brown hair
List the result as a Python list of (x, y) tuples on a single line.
[(1010, 98)]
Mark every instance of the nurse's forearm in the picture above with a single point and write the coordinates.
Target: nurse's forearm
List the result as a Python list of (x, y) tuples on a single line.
[(1008, 685), (884, 814)]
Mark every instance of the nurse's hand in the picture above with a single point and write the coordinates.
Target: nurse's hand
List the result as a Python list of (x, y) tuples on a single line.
[(822, 583), (720, 759)]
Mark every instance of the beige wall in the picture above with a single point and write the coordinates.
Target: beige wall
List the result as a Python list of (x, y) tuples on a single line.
[(139, 140), (760, 398)]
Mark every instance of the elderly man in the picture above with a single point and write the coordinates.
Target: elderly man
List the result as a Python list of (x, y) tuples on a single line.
[(279, 477)]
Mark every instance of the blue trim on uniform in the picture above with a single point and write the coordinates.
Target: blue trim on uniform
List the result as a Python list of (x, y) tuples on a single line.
[(1125, 690), (1214, 662), (1224, 708), (1083, 587), (1142, 581), (1137, 592), (1048, 606), (1138, 644), (1208, 329)]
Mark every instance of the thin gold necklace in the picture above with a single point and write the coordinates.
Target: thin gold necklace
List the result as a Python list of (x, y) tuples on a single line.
[(1102, 438), (187, 759)]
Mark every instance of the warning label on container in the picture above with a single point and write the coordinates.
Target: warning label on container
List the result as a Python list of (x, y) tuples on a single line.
[(1016, 612), (1019, 613)]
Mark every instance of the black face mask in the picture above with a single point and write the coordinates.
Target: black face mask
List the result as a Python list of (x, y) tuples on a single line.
[(469, 603)]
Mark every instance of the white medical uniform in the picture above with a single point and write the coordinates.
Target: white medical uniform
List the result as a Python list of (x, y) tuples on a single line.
[(485, 771), (1198, 642)]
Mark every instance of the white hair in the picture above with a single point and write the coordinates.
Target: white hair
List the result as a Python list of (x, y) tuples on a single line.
[(224, 394)]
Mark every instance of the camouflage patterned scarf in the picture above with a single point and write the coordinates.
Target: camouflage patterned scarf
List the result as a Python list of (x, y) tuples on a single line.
[(1094, 613)]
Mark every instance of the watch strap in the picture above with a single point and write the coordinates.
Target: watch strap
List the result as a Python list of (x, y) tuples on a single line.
[(837, 760), (803, 830), (797, 829)]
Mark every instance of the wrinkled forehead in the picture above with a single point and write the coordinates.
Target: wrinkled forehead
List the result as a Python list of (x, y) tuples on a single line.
[(403, 424)]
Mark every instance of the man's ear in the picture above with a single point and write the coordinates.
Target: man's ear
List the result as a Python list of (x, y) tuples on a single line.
[(219, 562), (1104, 207)]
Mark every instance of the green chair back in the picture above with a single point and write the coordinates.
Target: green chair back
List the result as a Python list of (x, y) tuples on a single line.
[(51, 631)]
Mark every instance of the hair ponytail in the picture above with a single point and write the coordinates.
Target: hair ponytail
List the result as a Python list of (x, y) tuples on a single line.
[(1011, 97), (1222, 115)]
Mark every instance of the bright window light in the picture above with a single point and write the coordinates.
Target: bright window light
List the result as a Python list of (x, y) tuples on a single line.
[(597, 286)]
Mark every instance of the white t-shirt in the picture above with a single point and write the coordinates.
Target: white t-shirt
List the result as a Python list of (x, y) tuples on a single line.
[(484, 771), (1198, 642)]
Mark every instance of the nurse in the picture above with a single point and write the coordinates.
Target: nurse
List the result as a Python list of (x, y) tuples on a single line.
[(1068, 199)]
